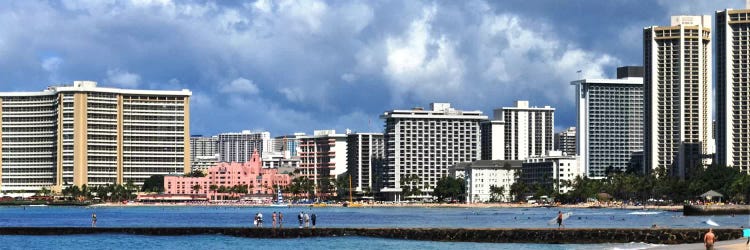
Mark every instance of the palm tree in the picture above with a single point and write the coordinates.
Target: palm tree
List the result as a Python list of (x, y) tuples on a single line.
[(197, 188), (213, 189)]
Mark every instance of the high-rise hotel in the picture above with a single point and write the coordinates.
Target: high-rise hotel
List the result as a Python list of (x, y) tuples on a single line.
[(610, 121), (677, 86), (733, 87), (425, 143), (83, 134), (517, 133)]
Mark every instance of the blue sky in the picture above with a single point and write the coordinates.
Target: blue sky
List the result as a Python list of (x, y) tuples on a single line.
[(296, 66)]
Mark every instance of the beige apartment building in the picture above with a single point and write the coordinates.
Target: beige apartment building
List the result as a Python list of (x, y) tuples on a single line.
[(733, 87), (83, 134), (677, 94)]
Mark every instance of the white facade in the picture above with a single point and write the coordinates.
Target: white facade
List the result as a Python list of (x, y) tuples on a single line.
[(555, 167), (480, 176), (204, 152), (364, 153), (519, 132), (322, 155), (239, 147), (83, 134), (279, 160), (609, 122), (565, 141), (733, 88), (426, 143), (677, 85)]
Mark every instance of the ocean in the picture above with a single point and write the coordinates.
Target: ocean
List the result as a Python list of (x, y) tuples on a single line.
[(181, 216)]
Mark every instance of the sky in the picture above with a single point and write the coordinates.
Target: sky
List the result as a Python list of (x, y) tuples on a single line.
[(297, 66)]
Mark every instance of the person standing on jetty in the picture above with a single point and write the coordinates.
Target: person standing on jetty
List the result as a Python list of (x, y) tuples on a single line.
[(93, 219), (281, 219), (559, 219), (301, 218), (260, 219), (709, 239), (312, 219), (273, 220), (307, 220)]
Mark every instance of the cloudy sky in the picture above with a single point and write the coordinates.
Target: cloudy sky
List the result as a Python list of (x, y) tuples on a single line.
[(295, 66)]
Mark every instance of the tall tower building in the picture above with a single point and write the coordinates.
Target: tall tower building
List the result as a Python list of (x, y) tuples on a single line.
[(239, 147), (609, 121), (364, 153), (83, 134), (322, 158), (425, 143), (677, 85), (733, 87), (565, 141), (516, 133), (205, 152)]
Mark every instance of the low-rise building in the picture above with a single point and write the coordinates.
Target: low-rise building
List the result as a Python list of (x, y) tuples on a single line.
[(555, 170), (258, 180), (481, 176)]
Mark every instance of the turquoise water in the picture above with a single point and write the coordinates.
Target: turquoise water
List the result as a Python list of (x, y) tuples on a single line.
[(354, 217), (117, 241), (327, 217)]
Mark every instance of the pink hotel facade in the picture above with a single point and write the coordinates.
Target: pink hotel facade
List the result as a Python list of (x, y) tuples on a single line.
[(251, 173)]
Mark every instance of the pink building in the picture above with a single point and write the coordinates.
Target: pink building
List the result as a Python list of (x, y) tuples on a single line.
[(259, 180)]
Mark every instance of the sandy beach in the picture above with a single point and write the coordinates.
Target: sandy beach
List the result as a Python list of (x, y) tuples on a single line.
[(405, 204), (738, 244)]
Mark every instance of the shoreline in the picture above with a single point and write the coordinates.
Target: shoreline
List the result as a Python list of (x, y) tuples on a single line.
[(671, 208)]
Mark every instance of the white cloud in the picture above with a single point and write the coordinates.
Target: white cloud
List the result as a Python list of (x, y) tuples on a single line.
[(349, 77), (240, 86), (697, 7), (293, 94), (52, 64), (421, 64), (122, 78)]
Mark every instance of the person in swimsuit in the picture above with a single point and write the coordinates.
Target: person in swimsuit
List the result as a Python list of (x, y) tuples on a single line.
[(709, 239), (281, 219), (273, 220), (93, 219)]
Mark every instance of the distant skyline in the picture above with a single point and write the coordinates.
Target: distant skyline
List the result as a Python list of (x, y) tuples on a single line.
[(298, 66)]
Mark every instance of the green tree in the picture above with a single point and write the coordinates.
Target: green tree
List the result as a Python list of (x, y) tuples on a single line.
[(155, 183), (196, 188), (213, 189), (410, 186), (196, 174), (497, 193), (450, 187)]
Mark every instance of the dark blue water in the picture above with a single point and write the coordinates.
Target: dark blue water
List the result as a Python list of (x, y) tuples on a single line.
[(354, 217)]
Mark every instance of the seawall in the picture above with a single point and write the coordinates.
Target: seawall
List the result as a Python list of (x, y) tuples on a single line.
[(498, 235), (689, 210)]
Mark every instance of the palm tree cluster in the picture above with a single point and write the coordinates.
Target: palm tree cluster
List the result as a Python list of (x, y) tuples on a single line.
[(109, 192)]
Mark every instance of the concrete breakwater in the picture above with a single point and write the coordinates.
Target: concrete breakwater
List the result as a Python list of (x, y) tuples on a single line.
[(499, 235), (689, 210)]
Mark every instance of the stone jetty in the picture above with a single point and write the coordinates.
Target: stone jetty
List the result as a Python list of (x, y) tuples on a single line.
[(494, 235), (690, 210)]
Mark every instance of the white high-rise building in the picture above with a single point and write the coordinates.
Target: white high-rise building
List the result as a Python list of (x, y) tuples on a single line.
[(565, 141), (610, 122), (83, 134), (239, 147), (733, 87), (364, 153), (204, 151), (677, 86), (519, 132), (322, 157), (425, 143)]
